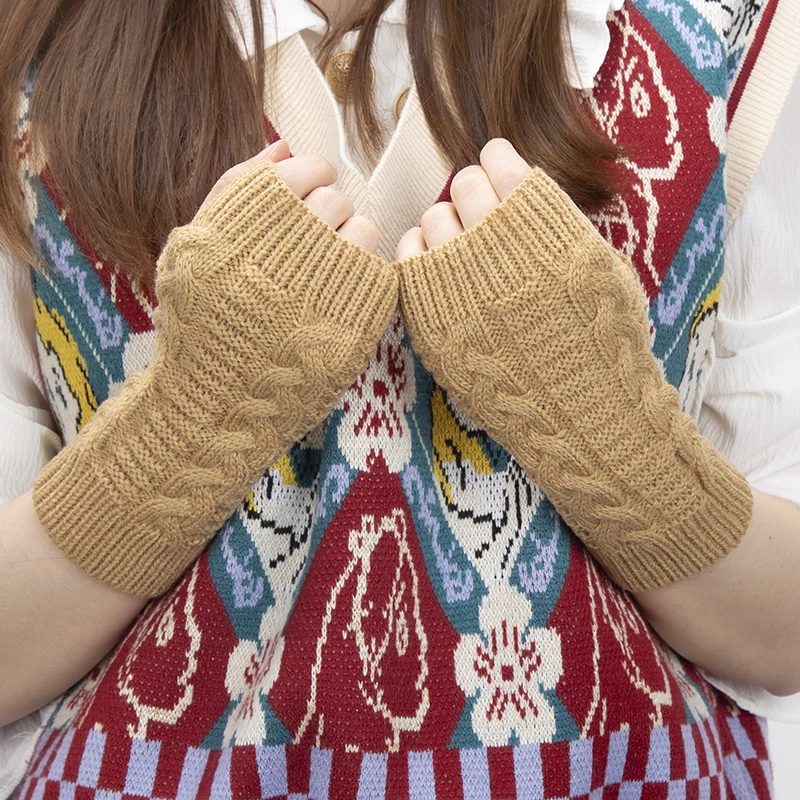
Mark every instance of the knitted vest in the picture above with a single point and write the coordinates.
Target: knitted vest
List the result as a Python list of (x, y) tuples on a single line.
[(395, 610)]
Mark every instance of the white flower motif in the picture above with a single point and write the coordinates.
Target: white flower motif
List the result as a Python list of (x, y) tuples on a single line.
[(252, 670), (507, 667)]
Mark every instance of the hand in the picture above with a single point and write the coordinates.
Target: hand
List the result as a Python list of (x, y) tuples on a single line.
[(265, 316), (310, 177), (476, 191), (538, 330)]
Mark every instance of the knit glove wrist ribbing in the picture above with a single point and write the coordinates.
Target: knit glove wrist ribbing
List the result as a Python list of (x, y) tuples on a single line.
[(265, 317), (537, 328)]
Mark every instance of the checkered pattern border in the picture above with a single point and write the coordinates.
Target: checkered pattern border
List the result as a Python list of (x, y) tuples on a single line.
[(704, 760)]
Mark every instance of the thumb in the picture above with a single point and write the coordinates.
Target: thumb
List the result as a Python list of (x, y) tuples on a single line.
[(277, 151)]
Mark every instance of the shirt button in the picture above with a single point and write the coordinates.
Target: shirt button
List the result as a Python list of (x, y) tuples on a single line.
[(400, 103), (337, 73)]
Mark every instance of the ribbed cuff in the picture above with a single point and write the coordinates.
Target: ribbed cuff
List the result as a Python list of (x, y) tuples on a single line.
[(676, 548), (259, 220), (537, 228), (89, 524)]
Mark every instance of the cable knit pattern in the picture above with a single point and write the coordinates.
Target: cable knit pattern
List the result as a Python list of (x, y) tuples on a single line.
[(538, 329), (265, 317)]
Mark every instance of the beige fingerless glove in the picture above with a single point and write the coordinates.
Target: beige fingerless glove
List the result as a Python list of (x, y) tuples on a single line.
[(537, 328), (265, 317)]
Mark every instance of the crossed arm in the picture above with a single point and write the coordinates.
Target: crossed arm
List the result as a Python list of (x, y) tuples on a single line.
[(737, 618)]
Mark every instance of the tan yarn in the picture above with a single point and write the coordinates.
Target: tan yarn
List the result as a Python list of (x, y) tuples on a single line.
[(265, 317), (538, 329)]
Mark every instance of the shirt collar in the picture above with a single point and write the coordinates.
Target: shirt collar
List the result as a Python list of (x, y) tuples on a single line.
[(284, 18), (586, 27), (587, 31)]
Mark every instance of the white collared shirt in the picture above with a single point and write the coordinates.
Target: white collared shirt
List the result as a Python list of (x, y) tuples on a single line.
[(587, 31)]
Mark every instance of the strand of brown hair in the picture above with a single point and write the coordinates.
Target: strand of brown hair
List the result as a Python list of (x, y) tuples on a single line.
[(141, 106)]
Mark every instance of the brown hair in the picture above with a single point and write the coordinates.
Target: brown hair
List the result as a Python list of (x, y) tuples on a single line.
[(141, 106)]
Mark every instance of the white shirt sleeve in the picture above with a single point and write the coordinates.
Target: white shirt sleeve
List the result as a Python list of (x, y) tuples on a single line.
[(27, 441), (27, 434), (751, 406)]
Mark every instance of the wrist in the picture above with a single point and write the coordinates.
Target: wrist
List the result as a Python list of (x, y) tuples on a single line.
[(92, 496)]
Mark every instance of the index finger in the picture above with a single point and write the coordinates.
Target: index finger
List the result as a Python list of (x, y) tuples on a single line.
[(505, 167), (303, 174)]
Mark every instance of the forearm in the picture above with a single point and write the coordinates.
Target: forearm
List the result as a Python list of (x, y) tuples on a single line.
[(270, 304), (739, 618), (57, 622), (265, 316), (538, 330)]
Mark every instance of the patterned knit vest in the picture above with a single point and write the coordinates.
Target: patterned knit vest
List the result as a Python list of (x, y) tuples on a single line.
[(395, 610)]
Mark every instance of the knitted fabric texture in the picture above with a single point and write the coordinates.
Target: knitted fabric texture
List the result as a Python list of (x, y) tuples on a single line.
[(265, 317), (395, 610), (538, 329)]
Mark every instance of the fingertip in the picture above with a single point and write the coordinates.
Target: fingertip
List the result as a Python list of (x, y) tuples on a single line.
[(331, 168), (496, 147), (411, 244), (505, 167), (278, 151)]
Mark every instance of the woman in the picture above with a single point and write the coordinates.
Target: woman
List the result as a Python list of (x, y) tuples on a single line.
[(393, 608)]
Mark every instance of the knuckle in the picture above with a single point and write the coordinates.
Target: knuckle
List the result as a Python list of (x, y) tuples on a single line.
[(339, 203), (334, 202), (364, 226), (510, 176), (364, 230), (435, 215), (467, 181), (319, 164)]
